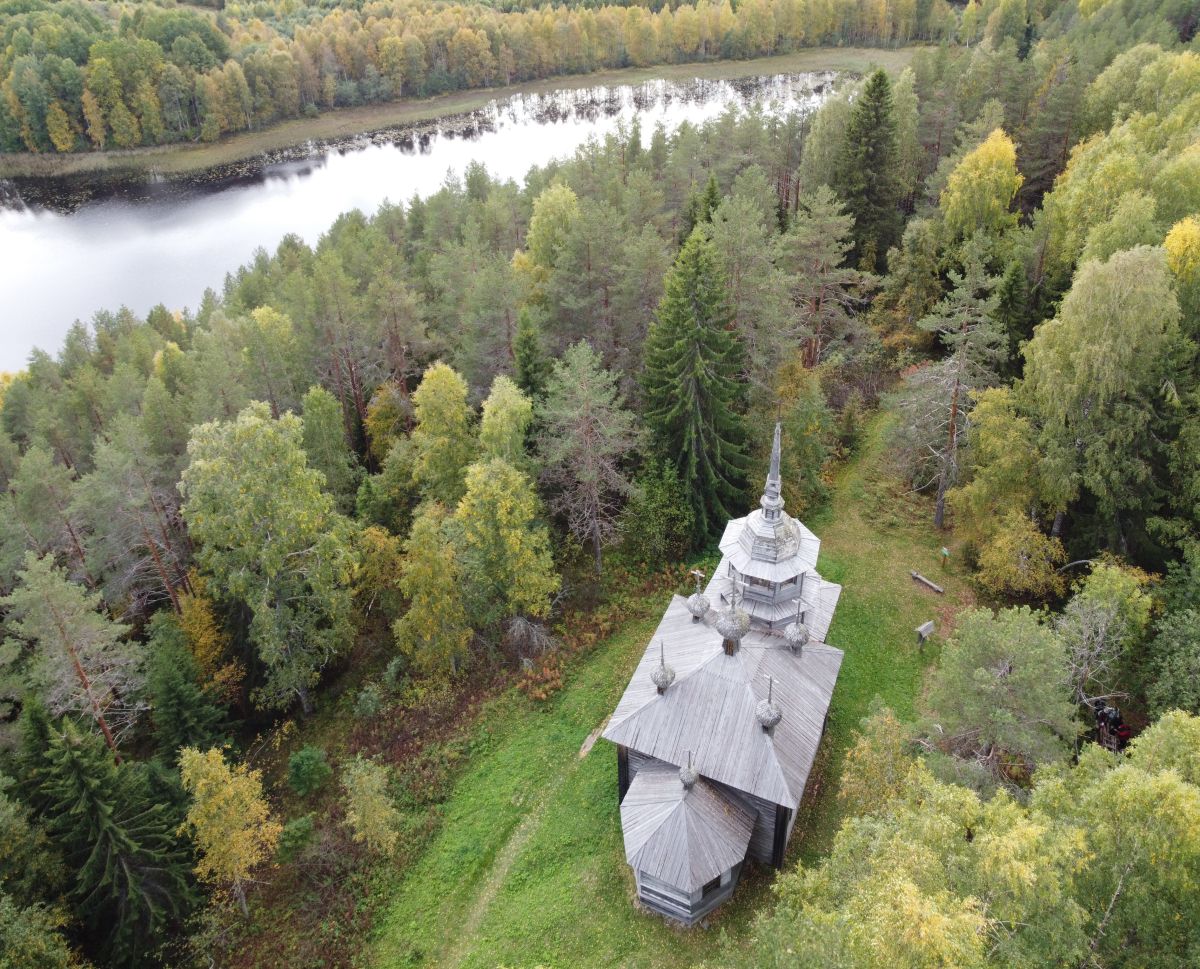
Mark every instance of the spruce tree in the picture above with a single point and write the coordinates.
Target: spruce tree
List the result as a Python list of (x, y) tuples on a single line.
[(1012, 311), (531, 364), (700, 208), (865, 177), (130, 875), (182, 713), (692, 393)]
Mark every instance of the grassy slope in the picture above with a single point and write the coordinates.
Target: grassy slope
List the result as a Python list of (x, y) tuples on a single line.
[(528, 869), (347, 122)]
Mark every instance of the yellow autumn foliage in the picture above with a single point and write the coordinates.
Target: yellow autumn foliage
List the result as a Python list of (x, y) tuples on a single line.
[(229, 819), (979, 194)]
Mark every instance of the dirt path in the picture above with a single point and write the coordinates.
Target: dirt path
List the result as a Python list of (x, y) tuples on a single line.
[(465, 938)]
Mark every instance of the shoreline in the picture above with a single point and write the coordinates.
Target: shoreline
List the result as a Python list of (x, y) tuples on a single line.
[(182, 159)]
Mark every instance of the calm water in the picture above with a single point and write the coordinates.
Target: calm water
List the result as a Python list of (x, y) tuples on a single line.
[(166, 242)]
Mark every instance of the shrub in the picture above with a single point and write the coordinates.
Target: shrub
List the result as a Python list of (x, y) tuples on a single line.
[(308, 770), (297, 835)]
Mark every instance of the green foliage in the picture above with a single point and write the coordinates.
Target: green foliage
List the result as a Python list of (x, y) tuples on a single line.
[(443, 440), (691, 389), (31, 938), (308, 770), (368, 703), (865, 177), (31, 869), (434, 633), (271, 539), (295, 837), (656, 526), (504, 549), (129, 874), (585, 438), (81, 662), (370, 812), (1175, 657), (999, 696), (1095, 373), (325, 445), (979, 195), (507, 415), (182, 713), (531, 364)]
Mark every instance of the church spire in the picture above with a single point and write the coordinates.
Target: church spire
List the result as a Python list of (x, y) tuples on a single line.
[(772, 501)]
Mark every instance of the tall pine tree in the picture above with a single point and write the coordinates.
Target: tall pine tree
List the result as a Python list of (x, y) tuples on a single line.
[(692, 393), (865, 177)]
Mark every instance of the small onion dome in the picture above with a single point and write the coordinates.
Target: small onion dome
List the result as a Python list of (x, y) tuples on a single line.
[(733, 623), (768, 715), (688, 776), (662, 676), (796, 635), (698, 605)]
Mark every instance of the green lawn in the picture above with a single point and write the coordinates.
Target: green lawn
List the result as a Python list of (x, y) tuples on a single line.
[(527, 867)]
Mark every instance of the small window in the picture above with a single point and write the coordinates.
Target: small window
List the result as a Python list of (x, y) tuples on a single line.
[(711, 887)]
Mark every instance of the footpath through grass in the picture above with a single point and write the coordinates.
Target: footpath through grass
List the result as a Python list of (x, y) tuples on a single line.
[(527, 868)]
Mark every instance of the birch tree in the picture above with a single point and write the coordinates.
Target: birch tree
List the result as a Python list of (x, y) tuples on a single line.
[(229, 819), (270, 538)]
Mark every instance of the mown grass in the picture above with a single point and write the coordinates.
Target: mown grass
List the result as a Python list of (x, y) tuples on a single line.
[(527, 867), (181, 159)]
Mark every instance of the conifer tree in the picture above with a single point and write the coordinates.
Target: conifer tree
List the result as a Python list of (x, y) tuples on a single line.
[(1012, 310), (586, 435), (963, 322), (130, 876), (692, 362), (531, 363), (700, 207), (81, 662), (865, 177), (182, 714)]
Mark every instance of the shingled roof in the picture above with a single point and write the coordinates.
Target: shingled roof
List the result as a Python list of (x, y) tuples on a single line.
[(685, 837), (710, 708)]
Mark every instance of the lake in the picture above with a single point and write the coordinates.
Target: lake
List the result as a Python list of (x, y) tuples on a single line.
[(70, 248)]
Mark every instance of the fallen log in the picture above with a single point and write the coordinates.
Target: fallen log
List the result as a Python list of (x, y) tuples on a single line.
[(926, 582)]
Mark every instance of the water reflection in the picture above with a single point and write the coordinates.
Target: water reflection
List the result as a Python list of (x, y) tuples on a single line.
[(68, 249)]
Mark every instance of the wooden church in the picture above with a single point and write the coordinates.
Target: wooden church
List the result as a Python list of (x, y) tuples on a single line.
[(718, 728)]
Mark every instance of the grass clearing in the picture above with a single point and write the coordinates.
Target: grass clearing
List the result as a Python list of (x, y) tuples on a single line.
[(527, 867), (182, 159)]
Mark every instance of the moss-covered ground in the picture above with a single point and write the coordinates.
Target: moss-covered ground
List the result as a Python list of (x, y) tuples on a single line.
[(527, 868)]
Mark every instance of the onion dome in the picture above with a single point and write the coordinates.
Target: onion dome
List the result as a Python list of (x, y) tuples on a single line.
[(767, 713), (732, 623), (662, 676), (796, 636), (687, 774)]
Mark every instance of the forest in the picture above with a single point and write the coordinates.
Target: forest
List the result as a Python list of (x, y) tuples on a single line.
[(78, 76), (407, 468)]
